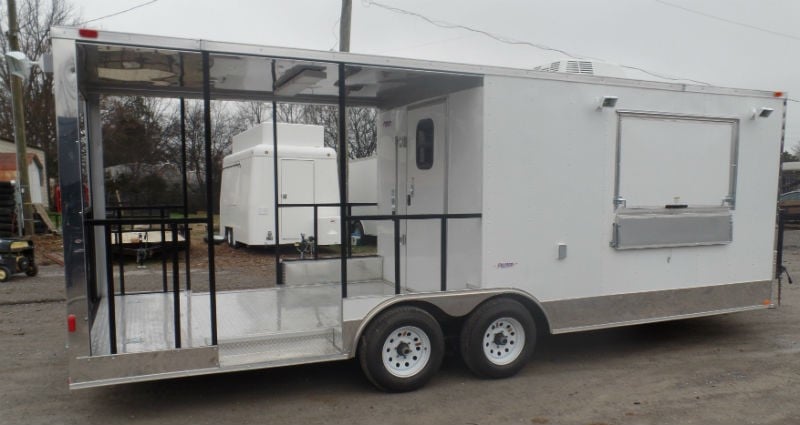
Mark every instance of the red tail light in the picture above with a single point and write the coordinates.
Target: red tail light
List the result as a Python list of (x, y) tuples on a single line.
[(87, 33), (71, 323)]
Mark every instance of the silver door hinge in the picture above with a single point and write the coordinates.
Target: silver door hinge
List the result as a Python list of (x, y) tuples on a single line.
[(402, 239)]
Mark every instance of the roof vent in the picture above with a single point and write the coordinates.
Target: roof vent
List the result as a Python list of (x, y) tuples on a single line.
[(583, 67)]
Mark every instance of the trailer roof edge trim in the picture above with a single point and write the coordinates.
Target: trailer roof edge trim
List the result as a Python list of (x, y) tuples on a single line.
[(197, 45)]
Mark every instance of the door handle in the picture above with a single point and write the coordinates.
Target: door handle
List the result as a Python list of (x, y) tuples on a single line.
[(284, 196)]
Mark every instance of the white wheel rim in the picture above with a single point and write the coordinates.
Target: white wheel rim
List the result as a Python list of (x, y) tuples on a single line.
[(406, 351), (503, 341)]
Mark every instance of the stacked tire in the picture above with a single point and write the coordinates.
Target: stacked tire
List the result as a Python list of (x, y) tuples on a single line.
[(7, 218), (38, 225)]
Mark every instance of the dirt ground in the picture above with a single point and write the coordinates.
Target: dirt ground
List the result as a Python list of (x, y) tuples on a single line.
[(739, 368)]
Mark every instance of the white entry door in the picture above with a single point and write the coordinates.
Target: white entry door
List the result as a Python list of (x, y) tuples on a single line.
[(425, 194), (297, 187)]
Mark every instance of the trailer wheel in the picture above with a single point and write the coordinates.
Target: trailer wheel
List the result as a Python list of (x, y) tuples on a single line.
[(402, 349), (4, 274), (32, 270), (498, 338)]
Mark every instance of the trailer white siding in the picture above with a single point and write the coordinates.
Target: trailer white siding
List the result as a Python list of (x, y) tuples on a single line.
[(549, 168), (464, 187)]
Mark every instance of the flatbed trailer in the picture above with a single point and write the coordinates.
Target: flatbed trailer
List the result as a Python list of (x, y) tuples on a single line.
[(510, 202)]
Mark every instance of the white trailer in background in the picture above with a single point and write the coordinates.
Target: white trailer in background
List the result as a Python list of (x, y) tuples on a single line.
[(509, 202), (362, 175), (307, 175)]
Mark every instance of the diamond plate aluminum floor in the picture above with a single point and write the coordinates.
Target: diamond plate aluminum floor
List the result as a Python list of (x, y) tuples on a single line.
[(256, 325)]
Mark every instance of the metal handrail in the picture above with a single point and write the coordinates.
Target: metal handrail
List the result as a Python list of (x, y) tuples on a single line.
[(114, 226), (134, 220), (144, 207), (395, 218)]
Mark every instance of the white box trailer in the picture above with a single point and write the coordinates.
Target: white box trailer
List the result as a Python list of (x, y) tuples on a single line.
[(511, 202), (362, 188), (308, 175)]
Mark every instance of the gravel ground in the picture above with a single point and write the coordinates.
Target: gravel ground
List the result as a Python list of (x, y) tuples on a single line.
[(739, 368)]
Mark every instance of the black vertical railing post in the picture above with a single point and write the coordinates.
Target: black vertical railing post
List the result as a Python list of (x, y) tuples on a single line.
[(396, 255), (112, 313), (779, 257), (163, 242), (187, 247), (185, 178), (176, 301), (444, 253), (779, 247), (121, 253), (349, 232), (278, 271), (212, 283), (316, 232), (342, 156)]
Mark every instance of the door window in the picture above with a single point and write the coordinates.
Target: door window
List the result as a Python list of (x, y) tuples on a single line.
[(425, 144)]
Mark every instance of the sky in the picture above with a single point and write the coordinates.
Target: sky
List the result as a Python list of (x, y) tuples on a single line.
[(731, 43)]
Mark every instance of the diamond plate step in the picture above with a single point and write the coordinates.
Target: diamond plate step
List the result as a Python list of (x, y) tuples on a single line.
[(303, 272), (282, 346)]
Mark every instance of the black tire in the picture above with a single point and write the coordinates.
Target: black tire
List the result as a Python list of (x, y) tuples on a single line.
[(6, 212), (477, 338), (32, 270), (6, 203), (6, 226), (5, 274), (6, 185), (379, 337)]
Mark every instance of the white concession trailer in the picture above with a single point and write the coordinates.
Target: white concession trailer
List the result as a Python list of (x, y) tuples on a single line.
[(510, 202), (308, 175)]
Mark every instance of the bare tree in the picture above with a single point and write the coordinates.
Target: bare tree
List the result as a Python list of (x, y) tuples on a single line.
[(36, 17), (226, 121), (361, 131), (255, 112)]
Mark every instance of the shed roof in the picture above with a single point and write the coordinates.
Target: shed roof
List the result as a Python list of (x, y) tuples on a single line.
[(8, 165)]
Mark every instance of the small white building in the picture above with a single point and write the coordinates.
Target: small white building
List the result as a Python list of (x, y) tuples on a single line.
[(37, 173)]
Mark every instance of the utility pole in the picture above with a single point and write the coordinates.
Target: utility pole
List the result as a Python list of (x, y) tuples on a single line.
[(344, 26), (23, 182)]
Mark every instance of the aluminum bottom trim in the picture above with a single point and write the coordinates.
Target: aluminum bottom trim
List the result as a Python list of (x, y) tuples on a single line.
[(610, 311)]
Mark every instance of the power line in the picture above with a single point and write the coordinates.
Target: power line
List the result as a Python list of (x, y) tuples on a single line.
[(729, 21), (450, 25), (511, 41), (335, 35), (120, 12), (655, 74)]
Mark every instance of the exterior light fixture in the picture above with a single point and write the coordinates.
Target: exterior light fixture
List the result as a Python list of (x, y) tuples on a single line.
[(762, 112), (20, 66), (299, 81), (607, 102)]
